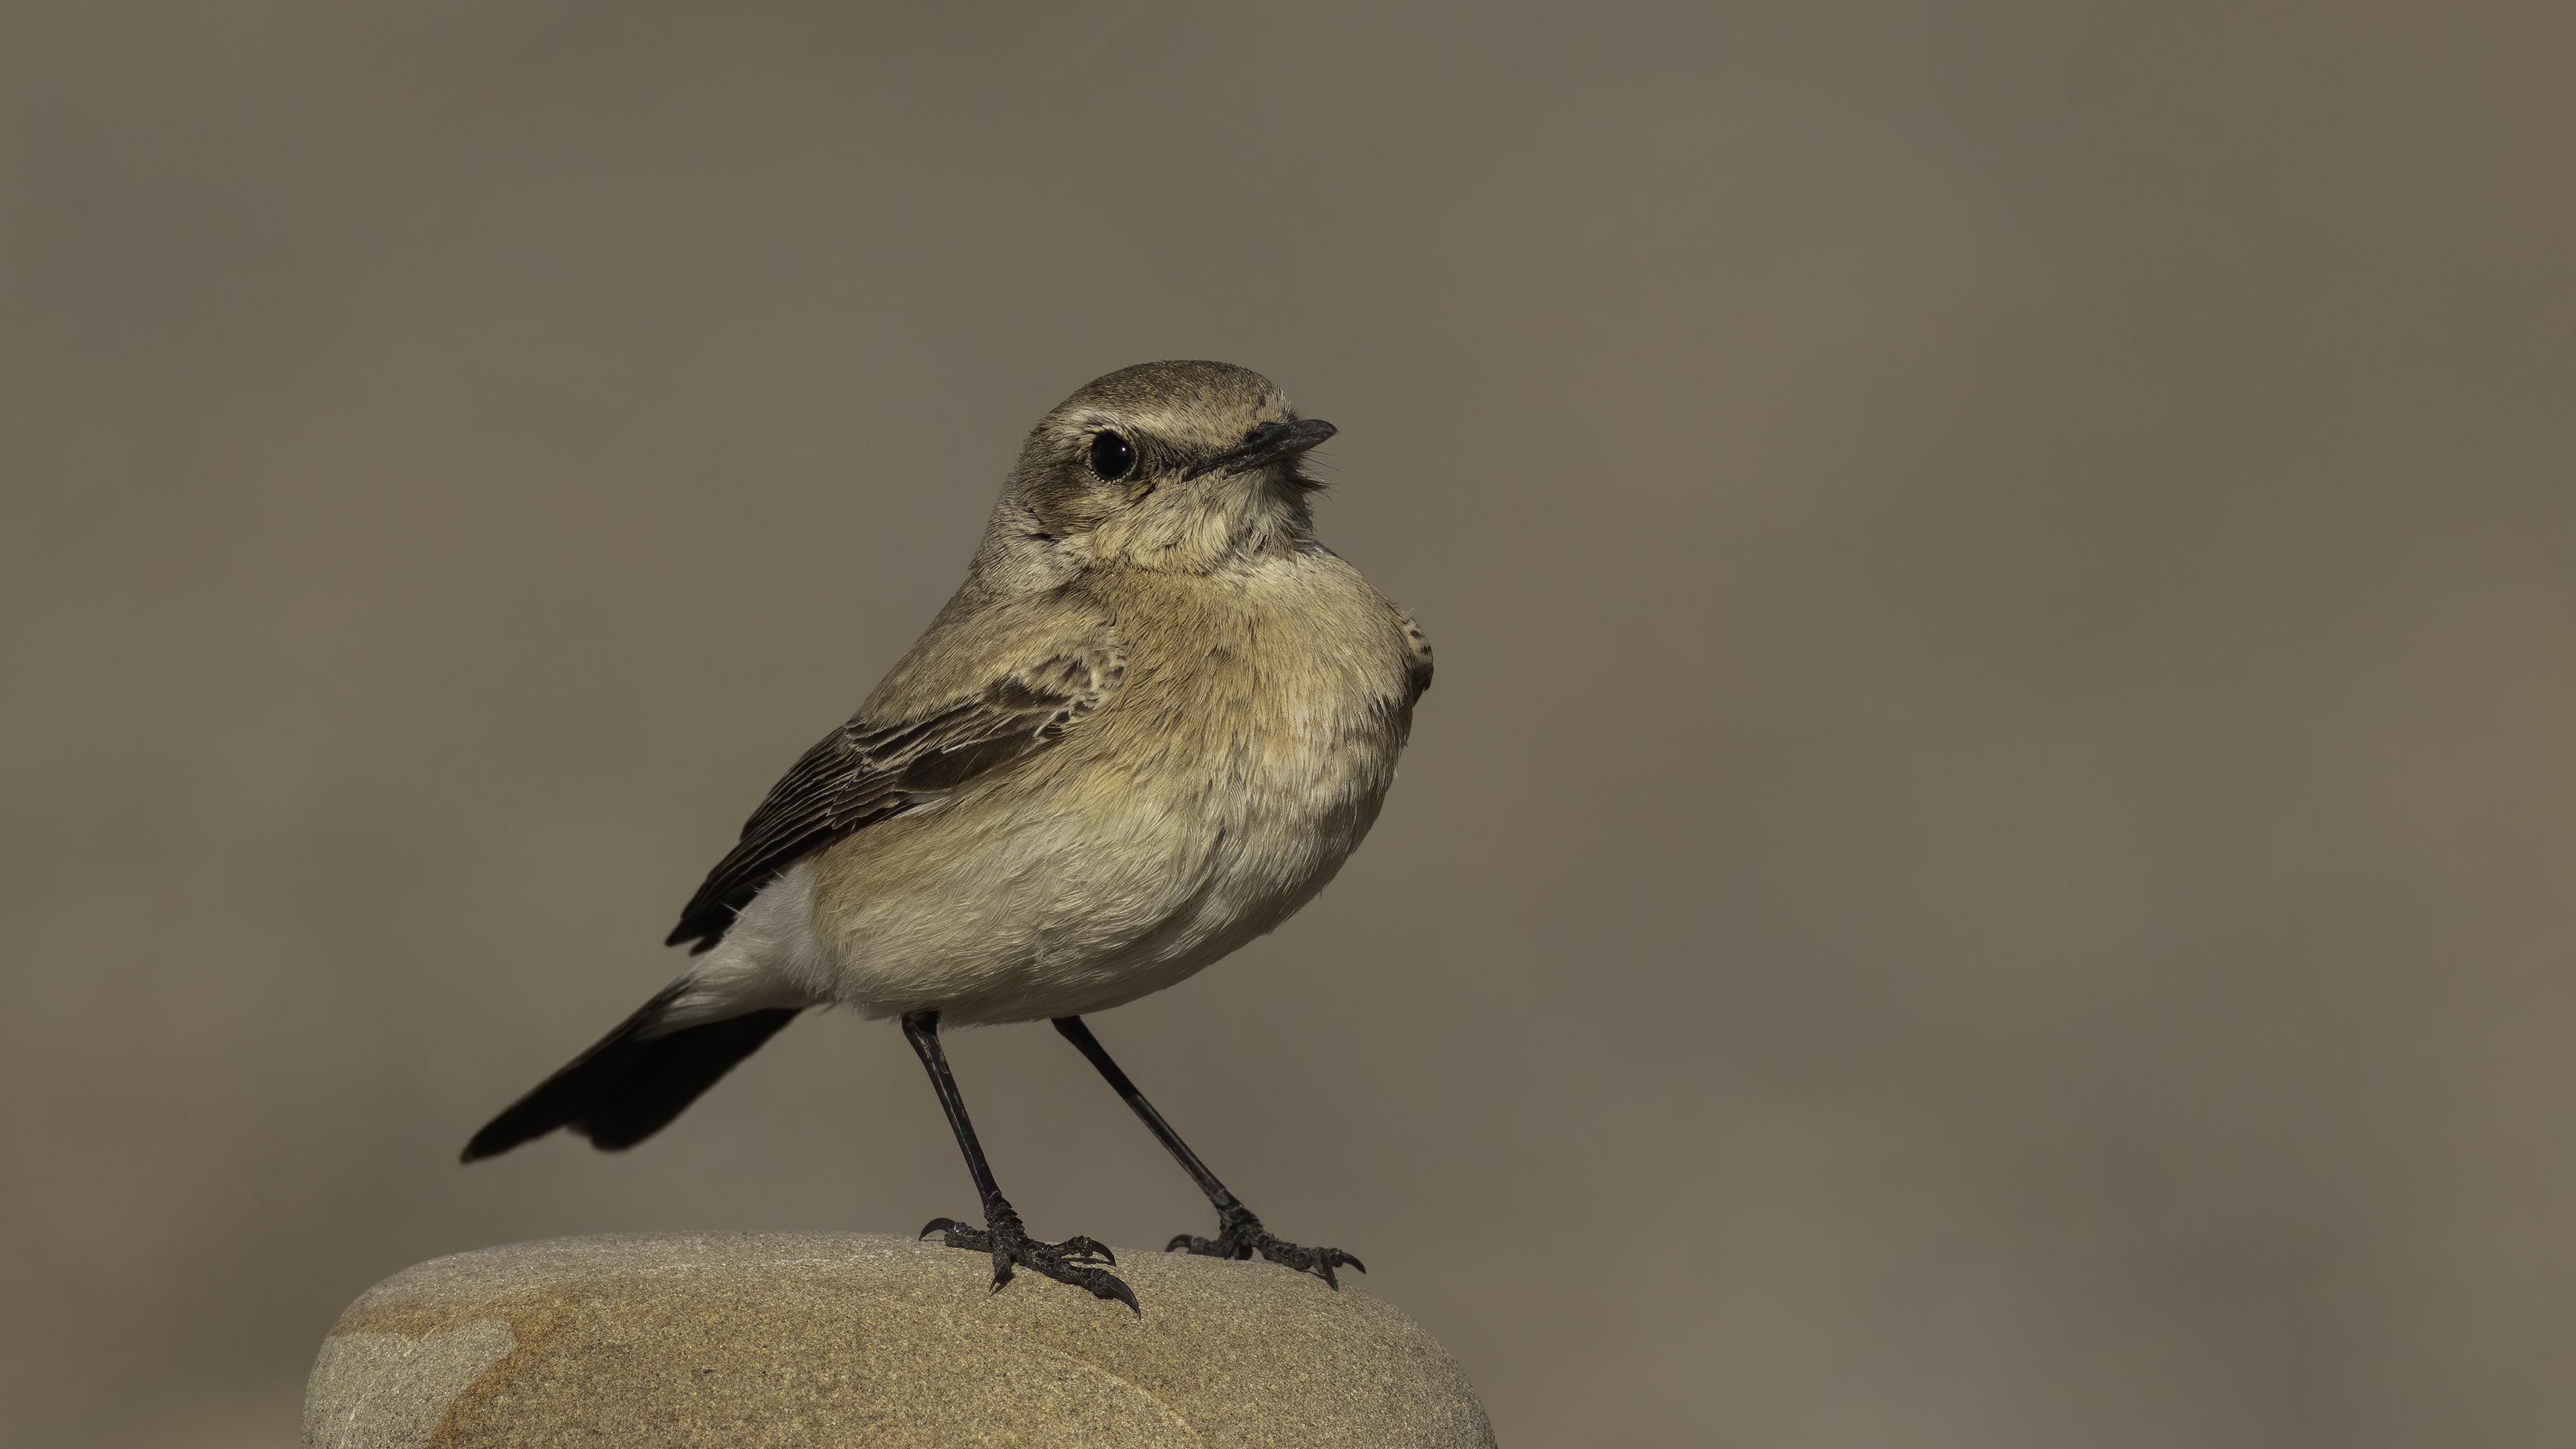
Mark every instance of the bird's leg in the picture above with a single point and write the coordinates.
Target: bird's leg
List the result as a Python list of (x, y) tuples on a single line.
[(1002, 1235), (1238, 1233)]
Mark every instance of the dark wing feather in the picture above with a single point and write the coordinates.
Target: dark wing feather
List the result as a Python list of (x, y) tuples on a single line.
[(867, 770)]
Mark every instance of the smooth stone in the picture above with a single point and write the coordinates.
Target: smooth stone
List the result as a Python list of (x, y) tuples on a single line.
[(827, 1339)]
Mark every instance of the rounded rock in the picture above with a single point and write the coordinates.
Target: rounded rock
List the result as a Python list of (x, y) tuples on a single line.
[(831, 1339)]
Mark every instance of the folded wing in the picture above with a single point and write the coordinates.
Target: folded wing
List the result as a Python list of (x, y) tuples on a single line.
[(870, 769)]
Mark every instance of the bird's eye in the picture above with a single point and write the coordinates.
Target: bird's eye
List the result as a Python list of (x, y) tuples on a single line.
[(1112, 457)]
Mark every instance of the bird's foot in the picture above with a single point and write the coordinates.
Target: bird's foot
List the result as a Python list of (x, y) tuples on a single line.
[(1240, 1235), (1065, 1262)]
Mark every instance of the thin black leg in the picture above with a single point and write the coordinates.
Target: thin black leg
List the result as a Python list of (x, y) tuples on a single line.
[(1239, 1233), (1002, 1235), (922, 1030)]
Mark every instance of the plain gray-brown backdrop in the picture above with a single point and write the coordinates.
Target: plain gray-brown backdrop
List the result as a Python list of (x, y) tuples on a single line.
[(1989, 865)]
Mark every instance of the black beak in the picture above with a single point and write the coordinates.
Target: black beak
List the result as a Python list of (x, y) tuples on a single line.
[(1267, 442)]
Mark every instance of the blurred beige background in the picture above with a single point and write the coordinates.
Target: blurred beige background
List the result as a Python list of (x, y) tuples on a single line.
[(1989, 865)]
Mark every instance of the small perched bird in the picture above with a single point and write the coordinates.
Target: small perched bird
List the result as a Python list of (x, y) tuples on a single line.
[(1153, 723)]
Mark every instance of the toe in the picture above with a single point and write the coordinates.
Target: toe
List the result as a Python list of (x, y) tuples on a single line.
[(1082, 1247), (1116, 1290), (1319, 1261)]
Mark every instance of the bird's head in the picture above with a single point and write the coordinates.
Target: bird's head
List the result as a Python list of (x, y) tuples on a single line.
[(1178, 466)]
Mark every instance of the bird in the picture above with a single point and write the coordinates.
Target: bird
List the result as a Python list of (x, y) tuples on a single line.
[(1154, 721)]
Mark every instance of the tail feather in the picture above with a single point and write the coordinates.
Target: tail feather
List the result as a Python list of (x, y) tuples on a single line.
[(630, 1085)]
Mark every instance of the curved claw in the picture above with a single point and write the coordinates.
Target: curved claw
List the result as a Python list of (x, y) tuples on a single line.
[(1119, 1290), (1079, 1246), (938, 1225)]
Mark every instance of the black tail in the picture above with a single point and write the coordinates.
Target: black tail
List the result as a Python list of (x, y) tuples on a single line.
[(630, 1086)]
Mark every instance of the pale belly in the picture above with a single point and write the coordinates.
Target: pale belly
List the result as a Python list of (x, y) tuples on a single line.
[(1074, 893), (1087, 893)]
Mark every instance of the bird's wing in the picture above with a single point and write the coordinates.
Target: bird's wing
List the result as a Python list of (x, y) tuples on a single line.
[(874, 767)]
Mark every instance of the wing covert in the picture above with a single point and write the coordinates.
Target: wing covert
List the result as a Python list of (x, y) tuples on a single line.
[(868, 770)]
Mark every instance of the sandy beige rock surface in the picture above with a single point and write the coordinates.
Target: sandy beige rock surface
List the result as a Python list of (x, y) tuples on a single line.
[(828, 1339)]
